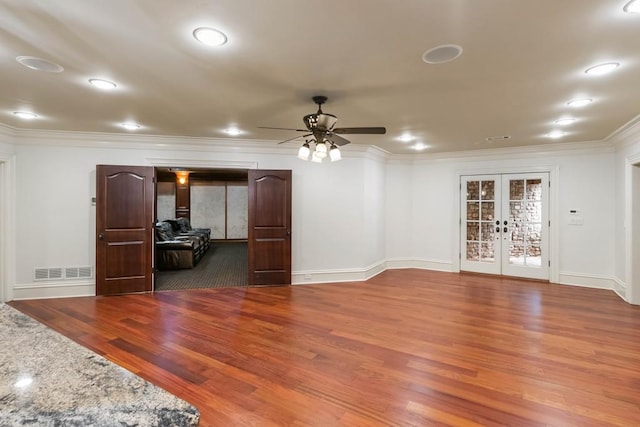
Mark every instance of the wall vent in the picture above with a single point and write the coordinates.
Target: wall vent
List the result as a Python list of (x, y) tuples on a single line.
[(78, 272), (59, 273), (48, 273)]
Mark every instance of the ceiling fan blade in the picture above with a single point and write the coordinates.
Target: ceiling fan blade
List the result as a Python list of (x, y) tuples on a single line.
[(295, 137), (362, 130), (337, 139), (297, 130)]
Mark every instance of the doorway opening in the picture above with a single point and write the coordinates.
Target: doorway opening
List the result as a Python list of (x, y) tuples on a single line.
[(207, 209), (504, 224)]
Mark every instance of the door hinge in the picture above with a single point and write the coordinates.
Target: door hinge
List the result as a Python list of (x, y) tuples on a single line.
[(549, 223), (153, 179), (549, 263)]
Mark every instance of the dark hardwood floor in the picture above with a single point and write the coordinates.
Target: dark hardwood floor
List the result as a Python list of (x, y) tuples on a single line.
[(407, 347)]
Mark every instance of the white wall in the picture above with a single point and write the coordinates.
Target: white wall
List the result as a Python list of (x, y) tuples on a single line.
[(373, 240), (56, 221), (7, 215), (351, 219), (627, 195), (585, 180)]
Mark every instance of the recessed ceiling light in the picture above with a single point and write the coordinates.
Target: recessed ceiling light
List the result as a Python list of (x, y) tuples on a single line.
[(632, 7), (565, 121), (419, 146), (601, 69), (579, 102), (130, 126), (210, 36), (103, 84), (39, 64), (25, 115), (406, 137), (556, 134), (441, 54), (232, 131)]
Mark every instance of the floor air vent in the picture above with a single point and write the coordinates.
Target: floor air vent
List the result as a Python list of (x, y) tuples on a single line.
[(59, 273)]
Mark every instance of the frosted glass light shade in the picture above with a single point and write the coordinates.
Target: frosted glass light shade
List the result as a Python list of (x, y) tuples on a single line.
[(321, 150), (315, 158), (334, 154), (303, 152)]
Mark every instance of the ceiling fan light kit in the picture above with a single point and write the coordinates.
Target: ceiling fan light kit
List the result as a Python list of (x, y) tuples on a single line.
[(324, 135)]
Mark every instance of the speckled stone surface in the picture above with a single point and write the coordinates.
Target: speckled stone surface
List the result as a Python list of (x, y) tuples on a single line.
[(48, 380)]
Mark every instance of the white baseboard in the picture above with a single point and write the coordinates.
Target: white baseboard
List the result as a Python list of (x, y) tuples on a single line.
[(424, 264), (620, 288), (331, 276), (587, 280), (54, 290), (362, 274)]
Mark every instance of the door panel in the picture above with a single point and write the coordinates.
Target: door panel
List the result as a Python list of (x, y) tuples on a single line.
[(269, 227), (124, 229), (479, 239), (526, 209), (504, 224)]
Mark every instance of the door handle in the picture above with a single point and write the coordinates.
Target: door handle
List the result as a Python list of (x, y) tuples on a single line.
[(497, 229), (498, 222), (101, 236), (505, 229)]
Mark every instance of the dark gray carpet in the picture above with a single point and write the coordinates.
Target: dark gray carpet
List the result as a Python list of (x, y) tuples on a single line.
[(223, 266)]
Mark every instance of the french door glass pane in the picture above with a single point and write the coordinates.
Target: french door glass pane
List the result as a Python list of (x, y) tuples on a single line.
[(488, 252), (473, 251), (534, 189), (525, 218), (473, 190), (488, 190), (473, 231), (473, 211), (488, 211), (516, 189), (480, 215), (488, 232)]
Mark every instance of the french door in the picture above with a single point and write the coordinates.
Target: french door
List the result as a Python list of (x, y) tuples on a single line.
[(505, 224)]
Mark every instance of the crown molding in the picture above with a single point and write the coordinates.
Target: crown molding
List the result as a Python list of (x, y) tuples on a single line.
[(584, 147), (7, 134), (627, 134)]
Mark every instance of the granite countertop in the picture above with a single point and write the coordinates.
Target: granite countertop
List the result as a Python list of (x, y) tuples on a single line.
[(46, 379)]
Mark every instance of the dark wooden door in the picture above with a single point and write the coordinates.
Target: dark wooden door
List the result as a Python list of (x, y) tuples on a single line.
[(124, 229), (269, 227)]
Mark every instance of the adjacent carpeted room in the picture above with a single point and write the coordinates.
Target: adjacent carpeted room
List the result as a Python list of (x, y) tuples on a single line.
[(223, 266)]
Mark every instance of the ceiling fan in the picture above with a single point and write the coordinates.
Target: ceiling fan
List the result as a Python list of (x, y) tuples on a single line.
[(320, 126)]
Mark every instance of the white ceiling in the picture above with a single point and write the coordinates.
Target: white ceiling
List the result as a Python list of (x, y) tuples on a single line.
[(522, 62)]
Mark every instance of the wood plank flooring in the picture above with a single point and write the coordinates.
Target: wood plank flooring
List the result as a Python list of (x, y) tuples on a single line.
[(408, 347)]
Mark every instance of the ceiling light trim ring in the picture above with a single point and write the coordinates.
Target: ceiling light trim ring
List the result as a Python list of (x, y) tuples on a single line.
[(442, 54), (39, 64), (210, 36)]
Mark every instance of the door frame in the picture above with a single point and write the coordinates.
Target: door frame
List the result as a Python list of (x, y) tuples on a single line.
[(554, 214), (166, 162), (632, 222), (7, 226)]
